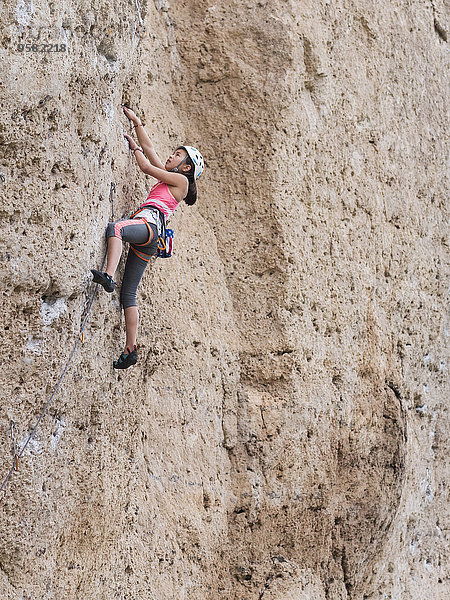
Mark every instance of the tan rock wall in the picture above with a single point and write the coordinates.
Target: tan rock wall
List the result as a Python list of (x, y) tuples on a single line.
[(284, 434)]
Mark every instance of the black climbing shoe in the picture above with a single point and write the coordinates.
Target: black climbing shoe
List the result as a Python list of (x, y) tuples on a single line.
[(126, 360), (103, 279)]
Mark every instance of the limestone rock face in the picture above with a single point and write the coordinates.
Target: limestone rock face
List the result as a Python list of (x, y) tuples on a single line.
[(284, 433)]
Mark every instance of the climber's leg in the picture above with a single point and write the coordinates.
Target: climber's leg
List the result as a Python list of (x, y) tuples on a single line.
[(135, 266), (137, 260), (130, 230), (113, 255), (131, 324), (134, 269)]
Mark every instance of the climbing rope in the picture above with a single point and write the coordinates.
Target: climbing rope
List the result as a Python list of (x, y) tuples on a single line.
[(140, 29), (80, 339)]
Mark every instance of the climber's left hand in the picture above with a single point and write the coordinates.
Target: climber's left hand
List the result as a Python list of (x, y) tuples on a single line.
[(130, 141)]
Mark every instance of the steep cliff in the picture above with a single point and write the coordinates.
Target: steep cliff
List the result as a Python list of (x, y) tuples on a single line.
[(284, 434)]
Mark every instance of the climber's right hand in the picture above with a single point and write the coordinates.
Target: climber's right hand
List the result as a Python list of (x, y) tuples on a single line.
[(130, 114)]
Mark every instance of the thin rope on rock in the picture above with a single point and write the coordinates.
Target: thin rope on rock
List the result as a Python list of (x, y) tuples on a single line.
[(80, 339)]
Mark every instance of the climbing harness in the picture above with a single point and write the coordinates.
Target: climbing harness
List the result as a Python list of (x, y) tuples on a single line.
[(166, 246), (80, 339), (165, 240), (165, 236)]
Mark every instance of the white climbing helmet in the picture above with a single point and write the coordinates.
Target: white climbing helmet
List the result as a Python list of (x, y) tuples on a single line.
[(196, 158)]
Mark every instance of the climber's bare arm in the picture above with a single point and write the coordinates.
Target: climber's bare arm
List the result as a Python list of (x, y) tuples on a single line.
[(147, 147), (144, 140), (177, 182)]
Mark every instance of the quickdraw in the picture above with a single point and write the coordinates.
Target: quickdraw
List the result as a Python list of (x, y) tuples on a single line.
[(141, 31)]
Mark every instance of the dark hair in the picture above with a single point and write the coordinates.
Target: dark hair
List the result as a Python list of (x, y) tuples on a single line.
[(191, 196)]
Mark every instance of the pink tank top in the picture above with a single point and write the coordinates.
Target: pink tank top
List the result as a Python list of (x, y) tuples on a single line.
[(161, 197)]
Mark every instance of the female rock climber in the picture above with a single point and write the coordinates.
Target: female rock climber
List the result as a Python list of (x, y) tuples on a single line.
[(176, 182)]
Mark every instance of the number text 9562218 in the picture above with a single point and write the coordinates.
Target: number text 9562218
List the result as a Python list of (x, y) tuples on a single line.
[(41, 47)]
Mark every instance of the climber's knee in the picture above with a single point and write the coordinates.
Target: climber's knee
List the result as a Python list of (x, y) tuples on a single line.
[(110, 231), (127, 299)]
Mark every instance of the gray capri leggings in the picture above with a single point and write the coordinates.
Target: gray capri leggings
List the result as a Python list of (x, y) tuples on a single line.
[(143, 239)]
